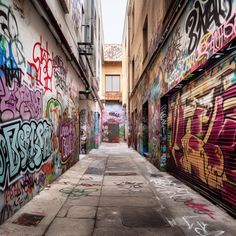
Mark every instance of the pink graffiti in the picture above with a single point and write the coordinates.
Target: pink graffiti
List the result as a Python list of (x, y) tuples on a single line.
[(199, 208), (67, 139), (40, 69), (213, 42), (19, 101)]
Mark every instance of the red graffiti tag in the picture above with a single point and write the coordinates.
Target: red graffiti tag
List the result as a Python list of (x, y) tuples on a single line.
[(199, 208), (40, 70)]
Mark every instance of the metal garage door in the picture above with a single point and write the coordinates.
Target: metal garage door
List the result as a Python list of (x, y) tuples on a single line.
[(202, 127), (113, 133)]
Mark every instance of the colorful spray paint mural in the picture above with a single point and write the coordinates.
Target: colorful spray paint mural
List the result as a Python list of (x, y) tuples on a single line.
[(149, 91), (38, 129), (113, 122), (203, 129), (96, 129), (198, 35), (83, 131)]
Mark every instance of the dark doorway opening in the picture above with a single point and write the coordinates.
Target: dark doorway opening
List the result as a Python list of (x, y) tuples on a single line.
[(145, 128), (113, 133), (134, 129)]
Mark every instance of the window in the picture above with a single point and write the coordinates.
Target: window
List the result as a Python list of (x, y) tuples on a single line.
[(112, 83), (145, 37)]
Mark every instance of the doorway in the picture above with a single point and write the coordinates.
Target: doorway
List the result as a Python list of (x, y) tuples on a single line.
[(145, 128), (113, 133)]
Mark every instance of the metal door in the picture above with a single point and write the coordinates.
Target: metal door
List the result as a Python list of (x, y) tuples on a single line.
[(113, 134), (202, 128)]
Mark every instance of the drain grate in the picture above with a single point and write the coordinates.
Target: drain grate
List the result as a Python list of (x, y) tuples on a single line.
[(28, 219), (94, 171), (121, 173), (143, 217), (156, 175)]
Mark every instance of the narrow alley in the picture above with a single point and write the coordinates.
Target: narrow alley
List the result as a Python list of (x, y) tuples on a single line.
[(117, 117), (114, 191)]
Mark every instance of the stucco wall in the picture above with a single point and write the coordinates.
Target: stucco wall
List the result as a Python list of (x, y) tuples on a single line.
[(110, 68), (39, 107)]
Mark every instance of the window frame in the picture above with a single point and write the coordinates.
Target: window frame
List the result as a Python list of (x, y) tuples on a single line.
[(112, 76)]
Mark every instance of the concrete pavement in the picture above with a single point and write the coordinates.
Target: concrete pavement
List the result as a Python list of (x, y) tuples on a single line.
[(115, 191)]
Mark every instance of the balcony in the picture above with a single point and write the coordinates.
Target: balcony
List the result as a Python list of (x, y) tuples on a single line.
[(113, 96)]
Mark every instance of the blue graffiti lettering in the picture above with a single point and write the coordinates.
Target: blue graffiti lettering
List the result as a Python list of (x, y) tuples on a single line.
[(23, 147)]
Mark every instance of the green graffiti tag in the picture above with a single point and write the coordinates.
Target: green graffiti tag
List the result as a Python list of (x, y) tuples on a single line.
[(77, 192)]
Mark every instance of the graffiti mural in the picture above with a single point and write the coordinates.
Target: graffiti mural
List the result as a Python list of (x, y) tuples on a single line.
[(24, 147), (39, 107), (40, 69), (19, 101), (113, 122), (203, 129), (59, 72), (154, 118), (83, 131), (163, 134), (200, 20), (12, 58), (90, 130), (96, 128), (67, 140), (199, 34)]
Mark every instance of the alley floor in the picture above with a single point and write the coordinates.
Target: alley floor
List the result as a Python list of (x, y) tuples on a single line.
[(114, 191)]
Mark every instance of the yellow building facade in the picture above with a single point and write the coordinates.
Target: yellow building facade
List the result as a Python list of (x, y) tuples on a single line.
[(181, 70), (113, 118)]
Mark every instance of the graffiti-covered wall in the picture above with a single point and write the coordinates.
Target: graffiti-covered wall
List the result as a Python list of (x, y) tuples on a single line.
[(39, 107), (90, 126), (203, 128), (198, 35), (190, 89), (113, 122)]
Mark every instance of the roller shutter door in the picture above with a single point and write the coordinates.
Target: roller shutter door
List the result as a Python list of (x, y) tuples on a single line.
[(202, 133)]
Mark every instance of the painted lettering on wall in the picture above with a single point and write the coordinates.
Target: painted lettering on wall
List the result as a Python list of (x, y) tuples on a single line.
[(203, 130), (19, 101), (113, 121), (40, 69), (96, 128), (24, 147), (199, 34), (59, 72), (11, 48), (204, 16), (83, 131), (67, 139)]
